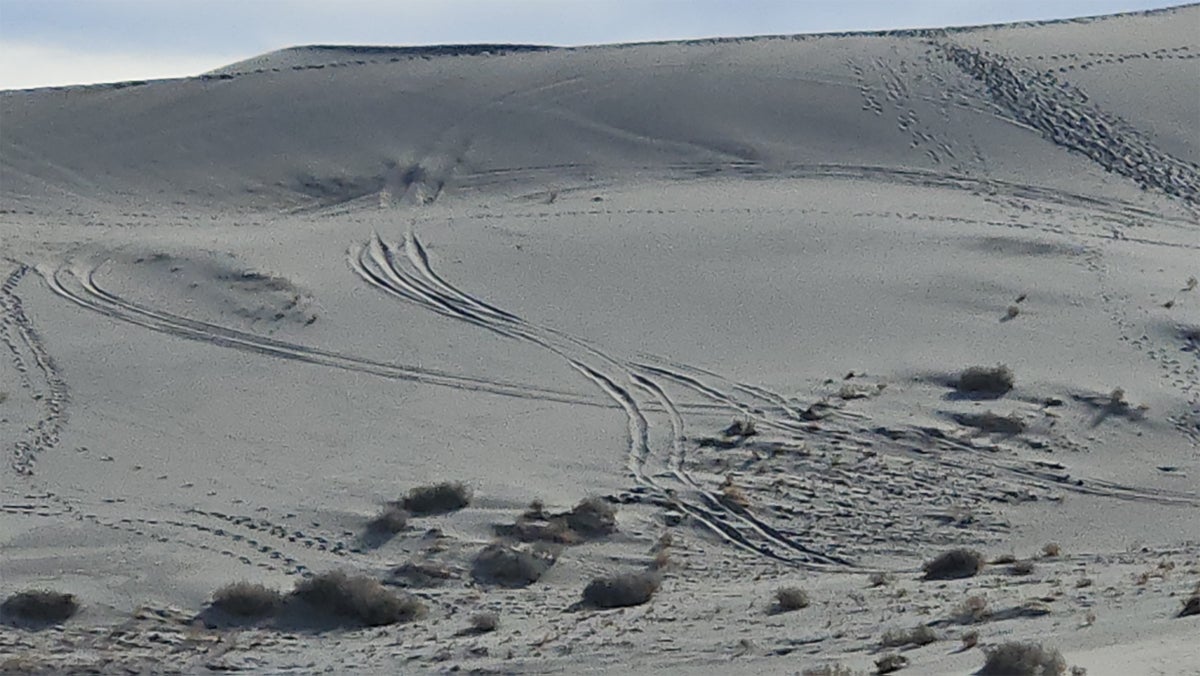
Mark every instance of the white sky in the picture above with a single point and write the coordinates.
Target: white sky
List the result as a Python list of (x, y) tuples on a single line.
[(53, 42)]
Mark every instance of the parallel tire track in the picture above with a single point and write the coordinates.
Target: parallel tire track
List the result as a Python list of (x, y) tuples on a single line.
[(377, 264)]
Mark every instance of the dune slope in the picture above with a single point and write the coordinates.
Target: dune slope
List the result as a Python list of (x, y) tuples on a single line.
[(803, 311)]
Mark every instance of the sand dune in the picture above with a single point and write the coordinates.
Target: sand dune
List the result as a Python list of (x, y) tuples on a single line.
[(730, 287)]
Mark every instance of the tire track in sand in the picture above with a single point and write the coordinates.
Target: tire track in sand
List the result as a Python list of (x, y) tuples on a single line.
[(378, 264)]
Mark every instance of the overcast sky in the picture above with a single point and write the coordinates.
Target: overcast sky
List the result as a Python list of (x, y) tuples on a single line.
[(50, 42)]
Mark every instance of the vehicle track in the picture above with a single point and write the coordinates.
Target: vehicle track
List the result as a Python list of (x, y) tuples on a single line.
[(79, 286), (989, 478), (378, 264)]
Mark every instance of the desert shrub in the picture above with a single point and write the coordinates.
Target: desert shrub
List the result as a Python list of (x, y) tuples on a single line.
[(890, 663), (507, 566), (622, 590), (1024, 567), (954, 564), (880, 579), (1191, 606), (790, 598), (390, 521), (440, 498), (1051, 550), (40, 605), (422, 574), (989, 380), (740, 428), (1022, 659), (898, 638), (356, 598), (973, 609), (992, 423), (592, 518), (484, 622), (245, 599)]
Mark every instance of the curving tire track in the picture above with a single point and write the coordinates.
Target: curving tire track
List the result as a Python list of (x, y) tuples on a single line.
[(80, 287), (378, 264)]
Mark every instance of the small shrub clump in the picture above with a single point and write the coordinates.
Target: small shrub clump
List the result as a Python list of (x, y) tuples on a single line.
[(954, 565), (440, 498), (890, 663), (986, 380), (357, 599), (622, 590), (592, 518), (973, 609), (788, 599), (247, 600), (507, 566), (918, 635), (1191, 606), (40, 605), (393, 519), (1022, 659), (1023, 567), (482, 623)]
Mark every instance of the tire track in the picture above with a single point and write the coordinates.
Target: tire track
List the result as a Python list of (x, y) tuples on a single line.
[(424, 287), (81, 288)]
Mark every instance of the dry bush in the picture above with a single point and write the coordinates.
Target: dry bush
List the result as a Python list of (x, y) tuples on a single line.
[(622, 590), (248, 600), (1022, 659), (880, 579), (973, 609), (388, 522), (918, 635), (1024, 567), (506, 566), (987, 380), (992, 423), (954, 565), (890, 663), (440, 498), (1051, 550), (592, 518), (482, 623), (1191, 606), (828, 670), (661, 561), (357, 599), (740, 429), (732, 496), (40, 606), (788, 599), (422, 574)]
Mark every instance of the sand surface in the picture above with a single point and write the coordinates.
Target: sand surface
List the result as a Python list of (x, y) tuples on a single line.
[(241, 312)]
